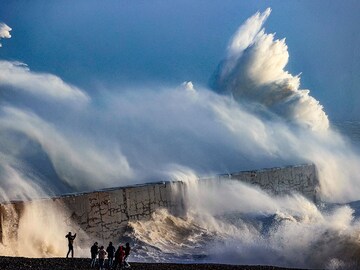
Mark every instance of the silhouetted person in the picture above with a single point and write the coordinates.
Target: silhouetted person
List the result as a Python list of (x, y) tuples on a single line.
[(94, 250), (70, 244), (127, 253), (111, 252), (102, 254)]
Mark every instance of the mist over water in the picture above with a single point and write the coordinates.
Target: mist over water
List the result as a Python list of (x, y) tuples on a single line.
[(57, 138)]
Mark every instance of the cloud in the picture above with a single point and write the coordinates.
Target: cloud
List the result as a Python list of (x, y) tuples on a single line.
[(4, 31)]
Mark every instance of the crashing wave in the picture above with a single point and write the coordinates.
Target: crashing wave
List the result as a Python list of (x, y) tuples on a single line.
[(254, 70)]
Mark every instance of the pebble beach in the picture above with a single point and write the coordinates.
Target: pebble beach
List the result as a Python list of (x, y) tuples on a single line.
[(20, 263)]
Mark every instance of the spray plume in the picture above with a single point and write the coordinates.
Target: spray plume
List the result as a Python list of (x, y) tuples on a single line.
[(254, 70), (4, 31)]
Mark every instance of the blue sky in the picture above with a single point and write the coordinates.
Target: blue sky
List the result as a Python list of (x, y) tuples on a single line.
[(92, 44)]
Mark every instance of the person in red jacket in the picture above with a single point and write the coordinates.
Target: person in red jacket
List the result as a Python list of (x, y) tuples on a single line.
[(119, 257)]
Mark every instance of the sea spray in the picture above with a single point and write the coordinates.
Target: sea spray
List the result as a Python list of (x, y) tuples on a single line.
[(120, 139), (230, 222), (4, 31), (37, 229), (254, 70)]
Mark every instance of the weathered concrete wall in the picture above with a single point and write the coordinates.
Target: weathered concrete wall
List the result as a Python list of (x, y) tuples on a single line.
[(104, 215), (280, 181)]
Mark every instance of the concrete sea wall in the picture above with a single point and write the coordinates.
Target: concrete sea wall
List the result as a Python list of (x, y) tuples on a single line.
[(302, 179), (104, 214)]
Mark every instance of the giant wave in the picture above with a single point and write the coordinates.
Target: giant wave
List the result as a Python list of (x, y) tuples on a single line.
[(56, 138)]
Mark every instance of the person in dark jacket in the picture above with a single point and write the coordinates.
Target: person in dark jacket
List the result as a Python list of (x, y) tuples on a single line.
[(70, 244), (127, 253), (111, 252), (94, 250)]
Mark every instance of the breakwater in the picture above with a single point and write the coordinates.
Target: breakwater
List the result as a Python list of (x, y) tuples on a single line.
[(302, 179), (104, 214)]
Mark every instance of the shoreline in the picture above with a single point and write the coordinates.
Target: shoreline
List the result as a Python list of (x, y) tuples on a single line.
[(22, 263)]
